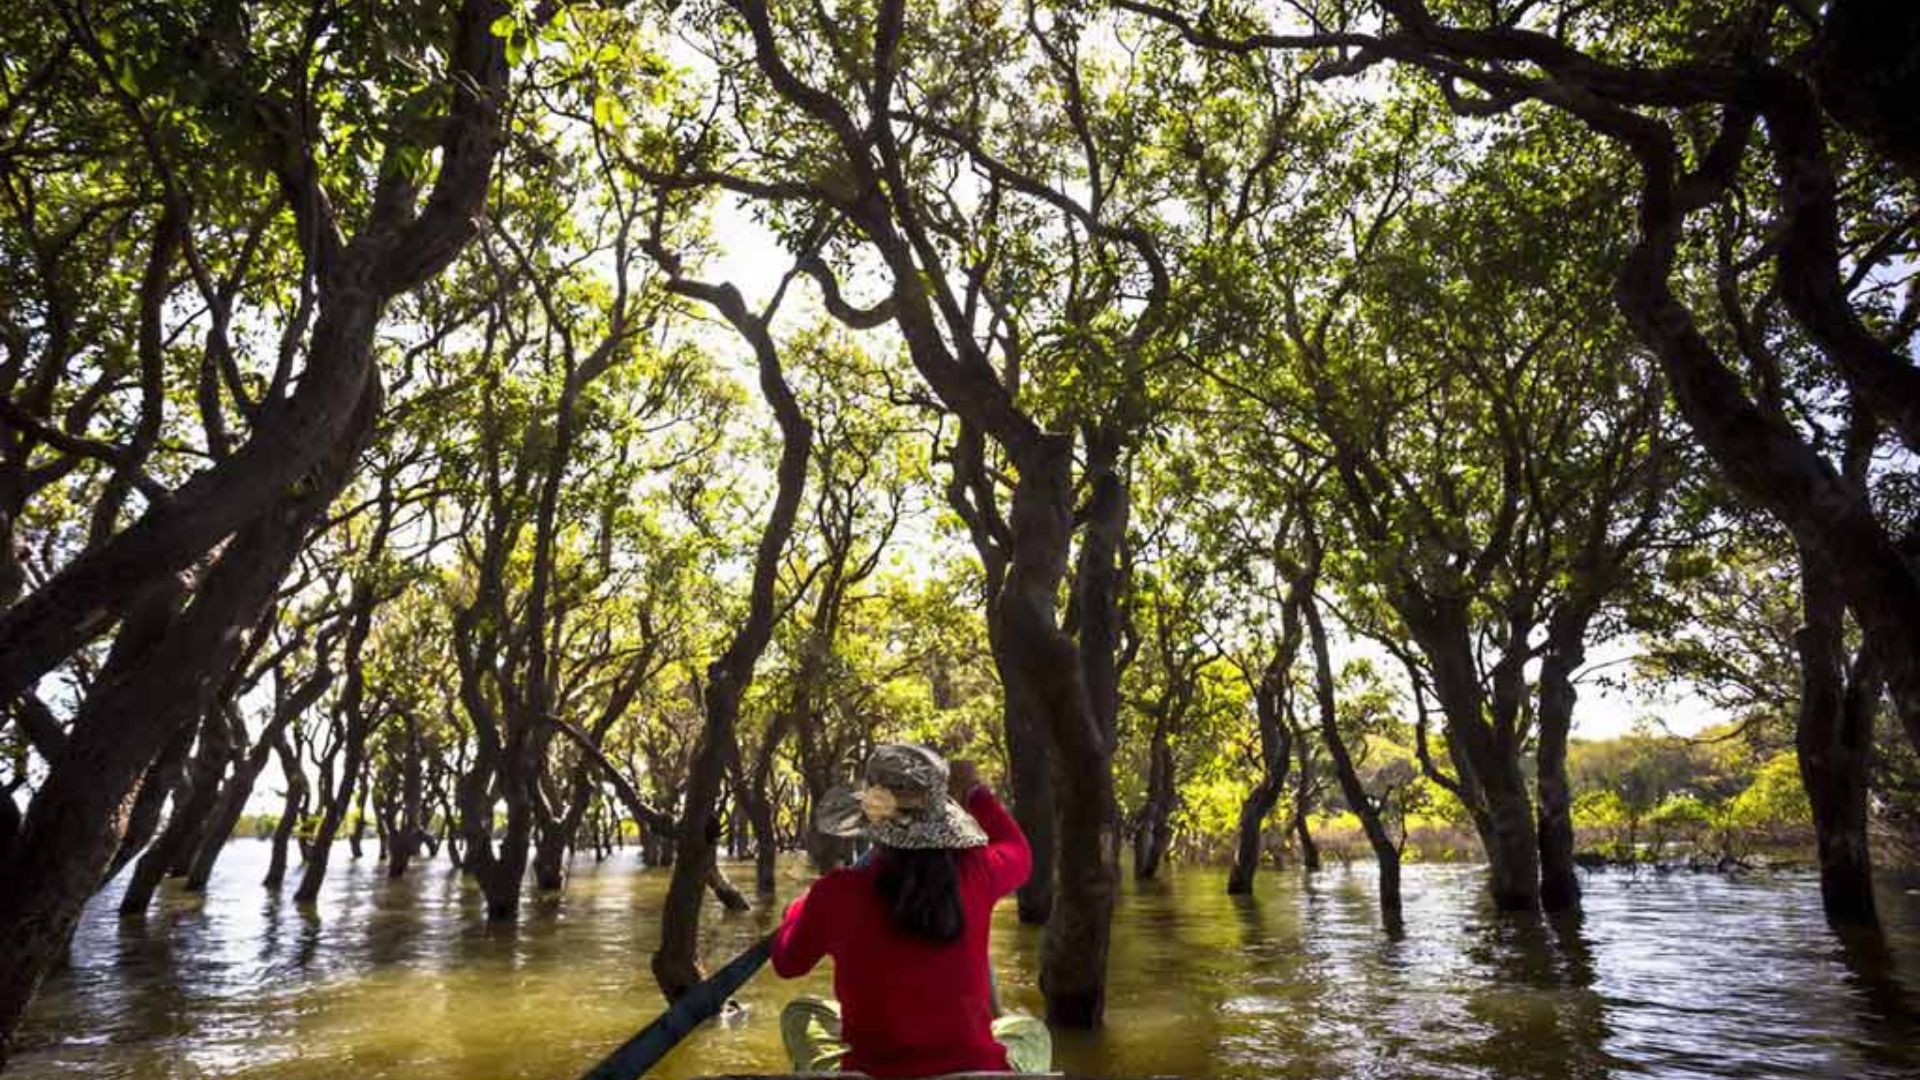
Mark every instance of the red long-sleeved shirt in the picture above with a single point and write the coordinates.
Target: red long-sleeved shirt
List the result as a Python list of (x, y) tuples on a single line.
[(910, 1006)]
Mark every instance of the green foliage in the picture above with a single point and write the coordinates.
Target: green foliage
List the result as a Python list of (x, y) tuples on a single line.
[(1316, 320), (1775, 799)]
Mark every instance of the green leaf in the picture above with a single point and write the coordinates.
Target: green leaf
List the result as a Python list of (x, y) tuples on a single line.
[(609, 113)]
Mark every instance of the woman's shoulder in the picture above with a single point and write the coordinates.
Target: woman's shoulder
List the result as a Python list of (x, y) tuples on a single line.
[(843, 879)]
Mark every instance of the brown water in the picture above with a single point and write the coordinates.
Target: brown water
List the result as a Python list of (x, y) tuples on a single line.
[(1676, 975)]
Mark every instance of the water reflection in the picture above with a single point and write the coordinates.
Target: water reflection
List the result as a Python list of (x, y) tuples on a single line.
[(1670, 976)]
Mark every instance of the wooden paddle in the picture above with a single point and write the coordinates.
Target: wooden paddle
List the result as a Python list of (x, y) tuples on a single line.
[(695, 1007)]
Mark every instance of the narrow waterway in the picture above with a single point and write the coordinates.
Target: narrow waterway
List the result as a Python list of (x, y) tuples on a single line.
[(1666, 975)]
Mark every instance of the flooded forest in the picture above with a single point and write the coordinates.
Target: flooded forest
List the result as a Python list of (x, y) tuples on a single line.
[(1412, 504)]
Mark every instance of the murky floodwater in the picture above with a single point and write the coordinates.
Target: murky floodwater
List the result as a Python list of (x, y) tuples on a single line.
[(1671, 976)]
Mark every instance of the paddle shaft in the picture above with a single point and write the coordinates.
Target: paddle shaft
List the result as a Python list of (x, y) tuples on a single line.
[(698, 1005)]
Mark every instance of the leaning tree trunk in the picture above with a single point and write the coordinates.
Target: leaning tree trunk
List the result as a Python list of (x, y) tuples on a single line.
[(1276, 747), (291, 810), (192, 813), (228, 807), (1385, 851), (165, 678), (357, 721), (1768, 463), (165, 776), (232, 803), (253, 508), (334, 812), (675, 964)]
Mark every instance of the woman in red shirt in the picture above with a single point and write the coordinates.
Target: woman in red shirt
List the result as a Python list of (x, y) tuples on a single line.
[(907, 929)]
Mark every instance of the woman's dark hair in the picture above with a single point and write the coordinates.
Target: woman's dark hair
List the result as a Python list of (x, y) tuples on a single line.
[(922, 891)]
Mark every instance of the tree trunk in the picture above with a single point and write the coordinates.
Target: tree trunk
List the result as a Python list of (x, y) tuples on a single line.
[(357, 721), (766, 846), (359, 833), (397, 807), (225, 817), (407, 838), (163, 681), (1566, 651), (165, 776), (234, 794), (757, 800), (238, 789), (1253, 816), (1303, 806), (1488, 759), (550, 861), (332, 814), (502, 871), (291, 810), (675, 964), (1834, 739), (1276, 747), (971, 494), (1385, 851), (1030, 783), (1768, 463), (1053, 674), (192, 813), (1151, 839)]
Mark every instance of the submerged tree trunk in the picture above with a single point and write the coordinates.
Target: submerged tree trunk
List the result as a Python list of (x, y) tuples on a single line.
[(1150, 840), (1276, 756), (971, 494), (757, 802), (192, 811), (1303, 800), (291, 810), (406, 832), (357, 837), (1272, 704), (232, 804), (1030, 783), (1834, 740), (674, 964), (165, 776), (695, 861), (550, 861), (164, 676), (1385, 851), (1074, 686), (1487, 756), (1566, 651)]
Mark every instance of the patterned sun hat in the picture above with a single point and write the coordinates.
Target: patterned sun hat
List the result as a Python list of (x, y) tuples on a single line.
[(902, 803)]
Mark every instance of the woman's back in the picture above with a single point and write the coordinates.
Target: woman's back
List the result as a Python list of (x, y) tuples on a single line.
[(910, 1005)]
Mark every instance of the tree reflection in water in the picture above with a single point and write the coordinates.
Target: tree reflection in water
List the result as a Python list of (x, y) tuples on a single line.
[(1663, 974)]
